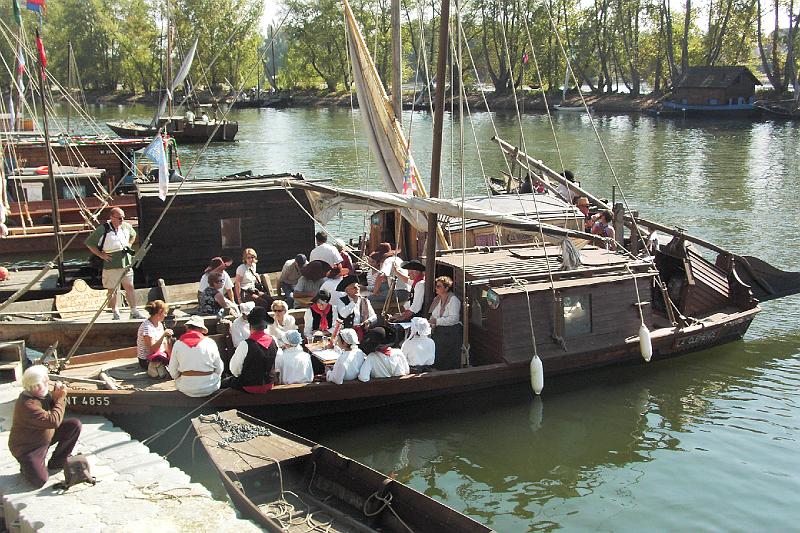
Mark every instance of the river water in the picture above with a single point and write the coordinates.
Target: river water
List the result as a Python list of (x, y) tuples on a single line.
[(706, 442)]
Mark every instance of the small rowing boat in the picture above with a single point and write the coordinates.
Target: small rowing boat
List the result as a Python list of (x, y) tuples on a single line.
[(285, 482)]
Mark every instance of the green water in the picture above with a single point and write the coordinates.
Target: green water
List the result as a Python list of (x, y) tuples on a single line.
[(706, 442)]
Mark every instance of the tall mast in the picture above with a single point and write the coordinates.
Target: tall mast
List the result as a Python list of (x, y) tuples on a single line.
[(169, 64), (52, 178), (69, 81), (436, 157), (397, 62)]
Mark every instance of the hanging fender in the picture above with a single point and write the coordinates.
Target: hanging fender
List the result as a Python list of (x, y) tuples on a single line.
[(645, 343), (42, 170), (537, 375)]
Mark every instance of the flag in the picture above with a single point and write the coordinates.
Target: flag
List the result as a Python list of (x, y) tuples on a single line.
[(11, 112), (20, 69), (409, 173), (17, 14), (35, 5), (525, 58), (40, 47), (156, 152)]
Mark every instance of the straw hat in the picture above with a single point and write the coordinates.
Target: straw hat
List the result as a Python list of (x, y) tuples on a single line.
[(197, 322)]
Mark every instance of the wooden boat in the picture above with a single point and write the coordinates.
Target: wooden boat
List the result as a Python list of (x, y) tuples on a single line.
[(184, 131), (276, 469), (61, 319)]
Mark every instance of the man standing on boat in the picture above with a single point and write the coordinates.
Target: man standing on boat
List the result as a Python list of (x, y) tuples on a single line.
[(112, 243)]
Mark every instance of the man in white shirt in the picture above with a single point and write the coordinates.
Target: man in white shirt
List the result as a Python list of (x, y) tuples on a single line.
[(415, 306), (350, 358), (355, 311), (195, 363), (383, 361), (324, 251), (331, 284), (240, 328)]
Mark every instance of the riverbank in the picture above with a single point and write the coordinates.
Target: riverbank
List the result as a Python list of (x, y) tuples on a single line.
[(613, 103)]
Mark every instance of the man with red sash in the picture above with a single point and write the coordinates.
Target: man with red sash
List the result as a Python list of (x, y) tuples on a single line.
[(253, 362)]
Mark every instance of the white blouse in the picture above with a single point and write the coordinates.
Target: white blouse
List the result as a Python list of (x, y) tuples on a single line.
[(378, 365), (277, 331), (451, 314), (347, 366)]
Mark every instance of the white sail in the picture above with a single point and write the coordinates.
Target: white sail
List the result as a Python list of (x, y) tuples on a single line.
[(384, 130), (182, 73)]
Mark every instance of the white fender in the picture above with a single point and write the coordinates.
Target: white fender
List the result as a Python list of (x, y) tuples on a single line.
[(645, 344), (537, 375)]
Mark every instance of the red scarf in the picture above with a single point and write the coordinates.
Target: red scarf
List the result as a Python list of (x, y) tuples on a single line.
[(192, 338), (323, 316), (385, 350), (261, 337), (417, 280)]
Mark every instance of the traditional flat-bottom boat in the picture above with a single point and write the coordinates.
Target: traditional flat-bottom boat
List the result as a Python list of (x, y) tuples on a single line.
[(197, 131), (284, 482)]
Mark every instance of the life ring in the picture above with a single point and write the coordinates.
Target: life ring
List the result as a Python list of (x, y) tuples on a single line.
[(42, 170)]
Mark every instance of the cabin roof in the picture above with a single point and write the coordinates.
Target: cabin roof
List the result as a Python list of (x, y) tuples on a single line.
[(548, 206), (222, 185), (714, 77), (545, 285), (531, 261)]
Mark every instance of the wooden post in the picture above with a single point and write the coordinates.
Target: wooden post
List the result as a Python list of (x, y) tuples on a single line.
[(619, 223), (436, 157)]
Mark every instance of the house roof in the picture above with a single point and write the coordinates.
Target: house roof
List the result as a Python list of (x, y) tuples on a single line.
[(715, 77)]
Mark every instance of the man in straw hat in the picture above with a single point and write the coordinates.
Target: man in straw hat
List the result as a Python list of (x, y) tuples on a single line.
[(354, 310), (240, 328), (382, 360), (253, 362), (350, 359), (195, 363), (414, 307)]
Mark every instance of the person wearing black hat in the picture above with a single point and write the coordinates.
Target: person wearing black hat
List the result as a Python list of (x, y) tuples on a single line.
[(254, 359), (415, 306), (320, 317), (313, 276), (355, 311), (382, 360)]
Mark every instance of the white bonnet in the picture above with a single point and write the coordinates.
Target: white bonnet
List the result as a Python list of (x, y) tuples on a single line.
[(420, 326)]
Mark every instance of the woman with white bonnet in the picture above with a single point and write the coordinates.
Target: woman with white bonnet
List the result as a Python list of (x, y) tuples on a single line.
[(350, 358), (293, 364), (38, 424), (240, 328), (419, 348), (195, 364)]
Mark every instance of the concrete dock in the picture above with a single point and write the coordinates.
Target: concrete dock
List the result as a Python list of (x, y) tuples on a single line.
[(136, 490)]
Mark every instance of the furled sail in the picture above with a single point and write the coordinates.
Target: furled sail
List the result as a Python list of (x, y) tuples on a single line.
[(384, 130), (182, 73)]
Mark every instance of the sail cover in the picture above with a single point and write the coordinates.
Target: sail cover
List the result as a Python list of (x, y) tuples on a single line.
[(384, 130), (182, 73)]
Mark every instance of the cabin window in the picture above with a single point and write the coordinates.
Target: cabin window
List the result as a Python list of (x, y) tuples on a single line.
[(713, 101), (231, 230), (69, 192), (577, 315), (33, 191)]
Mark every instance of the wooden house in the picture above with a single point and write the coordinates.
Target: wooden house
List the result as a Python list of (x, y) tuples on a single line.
[(221, 218), (712, 90)]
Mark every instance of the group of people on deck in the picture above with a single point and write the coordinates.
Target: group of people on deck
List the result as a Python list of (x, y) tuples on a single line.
[(270, 349)]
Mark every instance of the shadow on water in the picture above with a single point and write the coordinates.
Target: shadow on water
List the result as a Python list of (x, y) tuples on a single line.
[(502, 455)]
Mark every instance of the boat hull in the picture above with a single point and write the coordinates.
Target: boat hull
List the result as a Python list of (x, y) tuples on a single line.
[(181, 131), (313, 399)]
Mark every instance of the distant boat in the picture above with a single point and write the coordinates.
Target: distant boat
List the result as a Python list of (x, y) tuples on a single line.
[(275, 467), (561, 108)]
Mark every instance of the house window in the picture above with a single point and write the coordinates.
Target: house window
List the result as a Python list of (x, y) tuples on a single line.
[(231, 231), (577, 315)]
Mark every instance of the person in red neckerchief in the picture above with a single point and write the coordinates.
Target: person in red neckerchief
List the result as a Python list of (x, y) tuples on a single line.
[(321, 317), (253, 362)]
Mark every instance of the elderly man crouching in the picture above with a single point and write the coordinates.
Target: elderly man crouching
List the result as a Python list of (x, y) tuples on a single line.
[(38, 424)]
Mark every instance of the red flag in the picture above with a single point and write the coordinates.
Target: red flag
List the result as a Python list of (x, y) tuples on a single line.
[(40, 47), (525, 58)]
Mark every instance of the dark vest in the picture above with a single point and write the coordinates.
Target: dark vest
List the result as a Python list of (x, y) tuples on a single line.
[(347, 321), (315, 319), (421, 312), (258, 364)]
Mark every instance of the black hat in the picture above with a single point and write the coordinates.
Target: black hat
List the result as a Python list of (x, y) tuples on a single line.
[(322, 295), (413, 264), (346, 282), (259, 318), (372, 339)]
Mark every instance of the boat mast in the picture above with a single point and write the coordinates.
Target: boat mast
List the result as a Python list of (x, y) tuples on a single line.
[(69, 81), (51, 177), (397, 62), (436, 157)]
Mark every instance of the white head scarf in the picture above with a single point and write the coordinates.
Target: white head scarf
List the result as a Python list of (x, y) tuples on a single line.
[(349, 336), (420, 326)]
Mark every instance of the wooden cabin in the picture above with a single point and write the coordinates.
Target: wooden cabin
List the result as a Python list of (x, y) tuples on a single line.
[(711, 86), (221, 218)]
